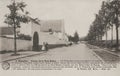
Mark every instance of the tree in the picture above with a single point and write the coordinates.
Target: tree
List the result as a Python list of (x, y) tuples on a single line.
[(76, 37), (115, 9), (107, 18), (70, 38), (113, 14), (110, 18), (105, 15), (16, 16), (99, 26)]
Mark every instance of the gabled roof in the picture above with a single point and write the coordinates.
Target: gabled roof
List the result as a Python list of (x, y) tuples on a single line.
[(36, 20), (54, 25)]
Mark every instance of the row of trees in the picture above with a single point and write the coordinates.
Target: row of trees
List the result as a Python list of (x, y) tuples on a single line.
[(107, 18)]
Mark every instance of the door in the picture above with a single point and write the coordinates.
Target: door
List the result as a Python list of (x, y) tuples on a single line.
[(36, 41)]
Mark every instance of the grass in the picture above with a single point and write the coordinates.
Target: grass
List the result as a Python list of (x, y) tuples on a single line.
[(104, 44), (11, 51), (5, 51)]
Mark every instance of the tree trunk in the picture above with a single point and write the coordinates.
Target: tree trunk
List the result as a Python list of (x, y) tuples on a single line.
[(106, 36), (117, 32), (112, 35), (98, 38), (101, 38), (15, 45), (117, 38)]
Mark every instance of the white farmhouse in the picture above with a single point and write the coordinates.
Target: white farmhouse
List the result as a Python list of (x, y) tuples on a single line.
[(50, 31)]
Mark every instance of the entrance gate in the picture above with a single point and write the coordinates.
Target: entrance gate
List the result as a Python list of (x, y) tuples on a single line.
[(35, 41)]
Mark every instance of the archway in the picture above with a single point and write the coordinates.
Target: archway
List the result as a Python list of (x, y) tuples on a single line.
[(35, 41)]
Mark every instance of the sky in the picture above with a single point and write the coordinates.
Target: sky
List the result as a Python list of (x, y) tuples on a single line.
[(78, 15)]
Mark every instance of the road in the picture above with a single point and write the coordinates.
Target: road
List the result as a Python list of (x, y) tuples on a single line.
[(74, 52), (78, 53)]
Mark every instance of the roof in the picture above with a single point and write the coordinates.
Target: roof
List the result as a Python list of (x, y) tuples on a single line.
[(54, 25), (6, 31), (36, 20)]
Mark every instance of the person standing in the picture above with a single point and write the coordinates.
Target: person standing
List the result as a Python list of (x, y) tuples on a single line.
[(46, 46), (43, 47)]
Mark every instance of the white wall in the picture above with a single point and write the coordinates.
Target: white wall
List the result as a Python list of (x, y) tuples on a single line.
[(50, 38), (35, 28), (8, 44), (26, 29)]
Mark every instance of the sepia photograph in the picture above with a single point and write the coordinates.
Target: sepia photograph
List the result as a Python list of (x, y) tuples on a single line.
[(60, 35)]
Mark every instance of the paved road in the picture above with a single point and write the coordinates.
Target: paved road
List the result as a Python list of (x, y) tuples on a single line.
[(74, 52)]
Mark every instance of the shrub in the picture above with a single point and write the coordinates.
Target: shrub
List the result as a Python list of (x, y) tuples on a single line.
[(24, 37)]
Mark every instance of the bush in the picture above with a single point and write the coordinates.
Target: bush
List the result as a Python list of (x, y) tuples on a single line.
[(5, 51)]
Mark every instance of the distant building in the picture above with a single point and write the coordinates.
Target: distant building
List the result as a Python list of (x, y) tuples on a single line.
[(55, 28)]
